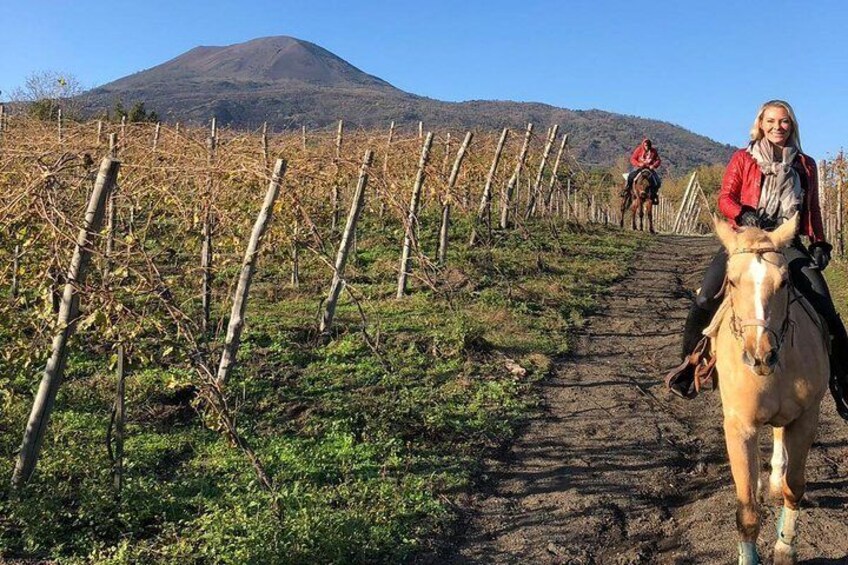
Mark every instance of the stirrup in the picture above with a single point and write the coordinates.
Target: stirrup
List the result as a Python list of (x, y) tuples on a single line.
[(681, 380), (840, 396), (697, 369)]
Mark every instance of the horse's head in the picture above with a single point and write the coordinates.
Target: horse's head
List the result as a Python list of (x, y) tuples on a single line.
[(642, 178), (757, 274)]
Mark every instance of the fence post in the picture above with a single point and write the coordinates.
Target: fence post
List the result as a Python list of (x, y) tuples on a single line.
[(156, 132), (120, 419), (676, 227), (535, 193), (236, 324), (337, 162), (348, 237), (485, 209), (16, 257), (295, 254), (68, 314), (113, 145), (823, 197), (552, 183), (840, 236), (386, 167), (446, 206), (264, 146), (206, 250), (412, 218), (510, 188)]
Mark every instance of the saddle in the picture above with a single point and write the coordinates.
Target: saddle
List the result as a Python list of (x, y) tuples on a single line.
[(698, 369)]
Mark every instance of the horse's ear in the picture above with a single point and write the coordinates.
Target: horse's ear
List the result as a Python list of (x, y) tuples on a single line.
[(785, 232), (726, 234)]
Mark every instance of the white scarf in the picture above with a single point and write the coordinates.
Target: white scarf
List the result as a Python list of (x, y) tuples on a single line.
[(781, 194)]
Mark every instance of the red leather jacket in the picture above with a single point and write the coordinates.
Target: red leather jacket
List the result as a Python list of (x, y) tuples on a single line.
[(743, 182), (641, 158)]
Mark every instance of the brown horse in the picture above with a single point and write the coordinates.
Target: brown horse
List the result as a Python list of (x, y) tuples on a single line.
[(772, 361), (638, 198)]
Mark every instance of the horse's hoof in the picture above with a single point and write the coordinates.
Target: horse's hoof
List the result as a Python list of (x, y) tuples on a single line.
[(748, 554), (785, 554)]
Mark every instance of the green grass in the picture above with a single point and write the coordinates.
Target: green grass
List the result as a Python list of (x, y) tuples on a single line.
[(367, 448), (837, 280)]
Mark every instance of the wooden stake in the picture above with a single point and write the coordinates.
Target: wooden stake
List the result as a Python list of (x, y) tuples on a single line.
[(446, 205), (206, 250), (236, 324), (535, 193), (412, 218), (113, 145), (510, 189), (334, 221), (68, 314), (120, 419), (295, 254), (485, 208), (552, 182), (265, 145), (16, 256), (156, 136), (348, 237), (386, 168)]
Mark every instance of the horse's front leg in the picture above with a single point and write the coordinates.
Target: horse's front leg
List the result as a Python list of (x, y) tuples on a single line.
[(778, 466), (624, 204), (641, 215), (741, 439), (650, 212), (797, 440)]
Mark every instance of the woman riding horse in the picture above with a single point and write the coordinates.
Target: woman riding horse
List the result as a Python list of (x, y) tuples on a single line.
[(764, 185), (645, 157), (772, 360)]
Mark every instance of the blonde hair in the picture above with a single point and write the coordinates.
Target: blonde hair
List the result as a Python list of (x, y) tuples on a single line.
[(757, 131)]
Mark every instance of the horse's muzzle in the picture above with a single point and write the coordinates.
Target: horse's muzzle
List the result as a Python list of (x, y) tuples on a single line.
[(762, 365)]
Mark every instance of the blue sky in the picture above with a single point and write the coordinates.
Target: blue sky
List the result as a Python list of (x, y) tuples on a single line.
[(703, 65)]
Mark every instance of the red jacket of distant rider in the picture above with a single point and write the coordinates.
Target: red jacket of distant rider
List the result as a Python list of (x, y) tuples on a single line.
[(743, 183), (642, 157)]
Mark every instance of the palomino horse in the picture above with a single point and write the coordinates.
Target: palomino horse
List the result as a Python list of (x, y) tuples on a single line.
[(772, 361), (638, 198)]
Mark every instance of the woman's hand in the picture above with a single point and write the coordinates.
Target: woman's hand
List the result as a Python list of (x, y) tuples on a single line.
[(820, 252), (748, 217)]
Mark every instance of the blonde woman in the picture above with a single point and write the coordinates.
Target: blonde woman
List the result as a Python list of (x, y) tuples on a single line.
[(765, 184)]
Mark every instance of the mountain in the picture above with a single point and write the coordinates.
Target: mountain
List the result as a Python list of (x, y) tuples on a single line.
[(290, 83)]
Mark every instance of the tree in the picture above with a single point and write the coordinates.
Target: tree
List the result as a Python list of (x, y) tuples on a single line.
[(44, 93), (136, 114)]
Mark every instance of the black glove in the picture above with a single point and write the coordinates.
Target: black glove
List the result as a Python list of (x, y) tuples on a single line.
[(748, 217), (820, 252)]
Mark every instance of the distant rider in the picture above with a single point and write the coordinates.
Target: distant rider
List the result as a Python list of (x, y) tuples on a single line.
[(645, 156)]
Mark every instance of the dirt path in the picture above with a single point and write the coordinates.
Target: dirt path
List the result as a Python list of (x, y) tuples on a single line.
[(617, 471)]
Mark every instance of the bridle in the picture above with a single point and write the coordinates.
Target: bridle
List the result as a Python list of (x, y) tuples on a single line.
[(738, 325)]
